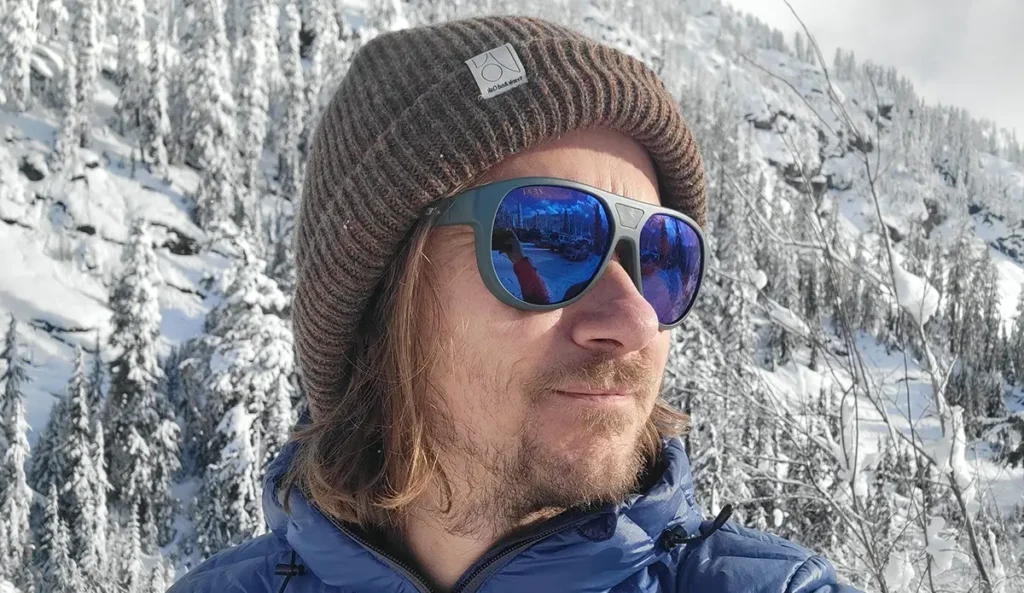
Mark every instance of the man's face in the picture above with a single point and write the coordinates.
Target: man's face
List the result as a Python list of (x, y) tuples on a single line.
[(546, 409)]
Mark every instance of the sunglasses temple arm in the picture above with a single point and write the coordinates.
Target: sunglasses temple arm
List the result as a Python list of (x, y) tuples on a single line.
[(454, 211)]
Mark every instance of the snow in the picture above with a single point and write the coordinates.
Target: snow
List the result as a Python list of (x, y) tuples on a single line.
[(7, 587), (785, 317), (941, 546), (914, 294), (61, 240), (235, 426), (899, 573), (40, 67)]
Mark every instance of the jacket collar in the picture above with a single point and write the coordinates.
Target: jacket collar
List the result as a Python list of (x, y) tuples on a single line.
[(621, 538)]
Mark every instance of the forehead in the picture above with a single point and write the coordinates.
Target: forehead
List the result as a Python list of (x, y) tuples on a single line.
[(599, 157)]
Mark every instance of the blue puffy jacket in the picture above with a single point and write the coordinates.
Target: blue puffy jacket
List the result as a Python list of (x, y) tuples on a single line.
[(635, 546)]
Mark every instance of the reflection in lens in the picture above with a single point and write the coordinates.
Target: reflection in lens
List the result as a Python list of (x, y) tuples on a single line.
[(670, 266), (548, 242)]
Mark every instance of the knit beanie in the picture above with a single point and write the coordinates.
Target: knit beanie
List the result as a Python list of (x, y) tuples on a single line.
[(422, 112)]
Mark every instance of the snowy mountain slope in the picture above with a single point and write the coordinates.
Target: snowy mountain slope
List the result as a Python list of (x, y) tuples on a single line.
[(61, 239), (799, 136)]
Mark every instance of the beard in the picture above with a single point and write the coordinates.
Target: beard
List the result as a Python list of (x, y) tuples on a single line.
[(508, 485)]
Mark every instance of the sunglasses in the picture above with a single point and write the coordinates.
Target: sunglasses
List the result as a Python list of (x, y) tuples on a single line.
[(542, 243)]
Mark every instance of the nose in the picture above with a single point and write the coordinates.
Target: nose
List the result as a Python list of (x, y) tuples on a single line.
[(613, 318)]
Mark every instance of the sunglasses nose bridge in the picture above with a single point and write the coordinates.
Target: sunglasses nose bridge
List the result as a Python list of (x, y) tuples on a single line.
[(626, 251)]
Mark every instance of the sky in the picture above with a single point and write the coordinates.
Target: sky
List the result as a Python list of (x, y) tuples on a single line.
[(969, 54)]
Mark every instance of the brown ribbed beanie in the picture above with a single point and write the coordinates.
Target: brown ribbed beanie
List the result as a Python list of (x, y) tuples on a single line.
[(409, 125)]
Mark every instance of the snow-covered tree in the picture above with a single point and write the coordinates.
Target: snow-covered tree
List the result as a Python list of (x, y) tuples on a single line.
[(281, 265), (67, 138), (156, 123), (253, 354), (161, 576), (229, 509), (82, 489), (86, 47), (142, 448), (1016, 343), (55, 569), (209, 125), (53, 15), (13, 378), (290, 158), (18, 26), (248, 396), (253, 106), (132, 67), (47, 456), (95, 399), (319, 18), (15, 495), (129, 572)]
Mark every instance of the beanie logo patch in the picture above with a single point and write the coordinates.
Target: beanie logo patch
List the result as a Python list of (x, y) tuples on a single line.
[(497, 70)]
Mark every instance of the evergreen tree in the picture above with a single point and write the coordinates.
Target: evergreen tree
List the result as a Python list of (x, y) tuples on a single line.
[(249, 396), (15, 495), (18, 24), (101, 486), (53, 15), (13, 378), (229, 508), (85, 21), (161, 576), (129, 572), (71, 113), (1016, 343), (56, 571), (82, 487), (190, 375), (47, 456), (319, 18), (253, 96), (209, 126), (142, 437), (156, 123), (290, 158), (133, 73), (255, 346), (281, 267), (783, 288)]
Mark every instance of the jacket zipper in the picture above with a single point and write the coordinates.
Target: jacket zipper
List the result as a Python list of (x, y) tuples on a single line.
[(402, 568), (473, 580)]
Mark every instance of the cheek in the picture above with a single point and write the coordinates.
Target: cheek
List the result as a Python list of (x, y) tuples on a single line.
[(490, 350)]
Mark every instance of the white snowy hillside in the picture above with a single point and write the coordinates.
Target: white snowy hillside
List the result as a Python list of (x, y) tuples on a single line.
[(854, 368)]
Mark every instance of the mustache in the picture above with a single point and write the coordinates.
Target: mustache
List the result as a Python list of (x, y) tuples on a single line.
[(635, 374)]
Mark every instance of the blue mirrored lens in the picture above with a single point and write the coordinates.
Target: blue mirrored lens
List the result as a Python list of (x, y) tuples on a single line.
[(670, 266), (548, 242)]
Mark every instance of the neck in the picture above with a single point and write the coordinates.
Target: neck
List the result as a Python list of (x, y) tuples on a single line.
[(446, 545)]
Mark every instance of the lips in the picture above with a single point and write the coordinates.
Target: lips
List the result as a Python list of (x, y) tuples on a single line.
[(591, 393)]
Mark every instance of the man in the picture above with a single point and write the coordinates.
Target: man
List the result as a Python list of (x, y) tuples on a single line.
[(461, 435)]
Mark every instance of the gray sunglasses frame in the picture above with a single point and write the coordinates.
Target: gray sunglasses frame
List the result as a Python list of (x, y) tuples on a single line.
[(478, 208)]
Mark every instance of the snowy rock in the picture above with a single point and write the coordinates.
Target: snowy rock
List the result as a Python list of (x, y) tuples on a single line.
[(33, 166)]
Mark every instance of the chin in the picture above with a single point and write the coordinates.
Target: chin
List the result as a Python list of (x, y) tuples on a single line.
[(580, 467)]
